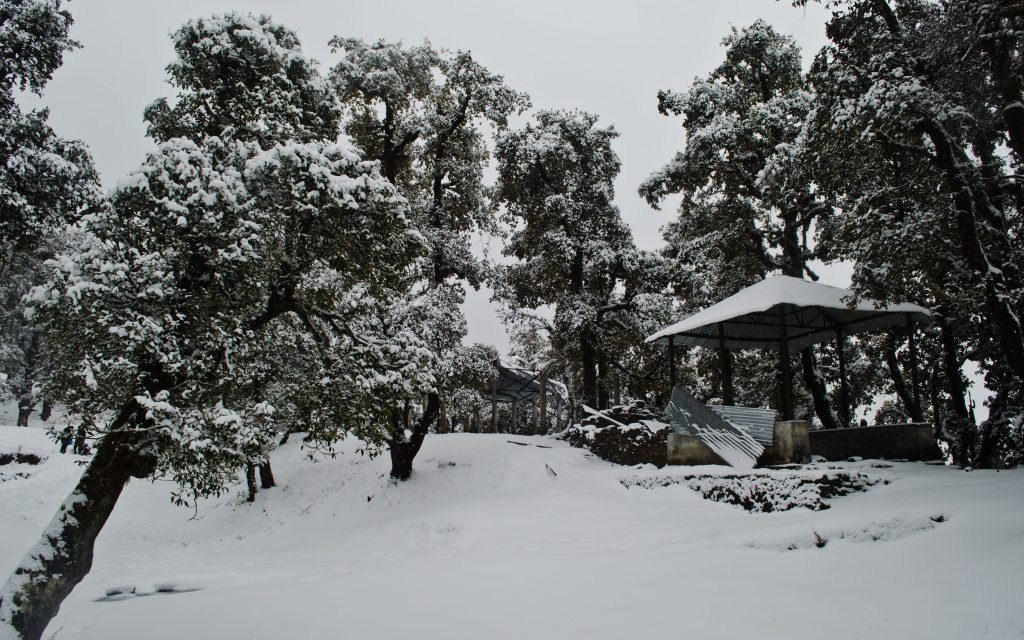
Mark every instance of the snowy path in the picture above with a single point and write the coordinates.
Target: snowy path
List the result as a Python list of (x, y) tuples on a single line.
[(496, 546)]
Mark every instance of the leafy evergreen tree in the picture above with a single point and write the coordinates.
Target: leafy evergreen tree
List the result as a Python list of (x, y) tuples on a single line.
[(573, 250), (45, 182), (914, 101), (734, 226), (44, 179), (163, 312), (426, 115)]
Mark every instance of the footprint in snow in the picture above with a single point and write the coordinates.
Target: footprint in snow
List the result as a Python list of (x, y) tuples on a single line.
[(125, 592)]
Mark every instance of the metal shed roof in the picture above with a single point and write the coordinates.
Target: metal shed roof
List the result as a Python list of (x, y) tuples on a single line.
[(516, 383)]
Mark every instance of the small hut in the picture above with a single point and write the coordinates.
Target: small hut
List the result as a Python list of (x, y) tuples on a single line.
[(519, 386)]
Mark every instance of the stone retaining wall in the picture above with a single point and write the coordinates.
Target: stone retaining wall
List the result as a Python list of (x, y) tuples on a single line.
[(897, 441)]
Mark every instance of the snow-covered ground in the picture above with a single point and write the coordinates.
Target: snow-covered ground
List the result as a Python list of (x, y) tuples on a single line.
[(495, 540)]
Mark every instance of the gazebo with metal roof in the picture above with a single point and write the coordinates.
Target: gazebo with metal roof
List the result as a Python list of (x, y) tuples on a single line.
[(789, 314), (513, 383)]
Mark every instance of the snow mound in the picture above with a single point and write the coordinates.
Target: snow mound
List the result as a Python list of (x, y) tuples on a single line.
[(494, 539)]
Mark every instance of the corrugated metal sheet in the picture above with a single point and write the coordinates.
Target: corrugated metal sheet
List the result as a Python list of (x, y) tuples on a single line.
[(735, 446), (759, 423)]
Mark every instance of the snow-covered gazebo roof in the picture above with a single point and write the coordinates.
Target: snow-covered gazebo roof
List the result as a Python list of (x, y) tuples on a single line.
[(812, 313)]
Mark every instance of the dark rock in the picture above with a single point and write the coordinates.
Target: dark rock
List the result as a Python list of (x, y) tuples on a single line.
[(634, 444)]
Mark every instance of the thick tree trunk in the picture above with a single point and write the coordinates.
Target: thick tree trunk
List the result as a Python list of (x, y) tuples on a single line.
[(819, 392), (63, 556), (999, 42), (267, 476), (24, 412), (404, 450), (250, 482), (46, 411), (914, 411), (952, 369), (589, 361), (793, 265), (962, 426), (968, 196), (442, 417), (26, 395), (603, 396)]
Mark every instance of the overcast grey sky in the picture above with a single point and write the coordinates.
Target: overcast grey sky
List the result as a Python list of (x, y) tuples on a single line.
[(609, 58)]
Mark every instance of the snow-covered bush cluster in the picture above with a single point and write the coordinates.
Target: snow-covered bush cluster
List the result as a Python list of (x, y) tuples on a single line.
[(763, 493)]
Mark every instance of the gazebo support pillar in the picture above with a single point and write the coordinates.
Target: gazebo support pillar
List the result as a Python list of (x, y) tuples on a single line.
[(542, 426), (725, 368), (787, 376), (672, 361), (844, 394), (494, 405)]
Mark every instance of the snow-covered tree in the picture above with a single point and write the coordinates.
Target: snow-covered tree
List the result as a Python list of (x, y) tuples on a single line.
[(160, 318), (914, 139), (238, 77), (571, 247), (736, 223), (427, 115), (23, 352), (465, 375), (44, 179), (45, 182)]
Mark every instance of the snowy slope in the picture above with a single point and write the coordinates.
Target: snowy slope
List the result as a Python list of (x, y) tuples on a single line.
[(496, 540)]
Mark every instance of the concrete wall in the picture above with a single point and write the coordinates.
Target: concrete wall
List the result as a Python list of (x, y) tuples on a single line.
[(689, 450), (790, 445), (900, 441)]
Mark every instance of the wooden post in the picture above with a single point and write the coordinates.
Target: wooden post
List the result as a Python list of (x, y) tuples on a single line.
[(725, 366), (844, 393), (513, 426), (533, 414), (913, 360), (494, 404), (787, 377), (672, 361), (542, 425), (558, 413)]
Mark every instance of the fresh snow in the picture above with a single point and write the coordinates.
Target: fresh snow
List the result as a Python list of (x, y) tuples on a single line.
[(494, 540), (776, 290)]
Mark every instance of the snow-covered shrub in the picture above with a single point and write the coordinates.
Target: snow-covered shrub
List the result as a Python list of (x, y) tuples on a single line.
[(762, 493)]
